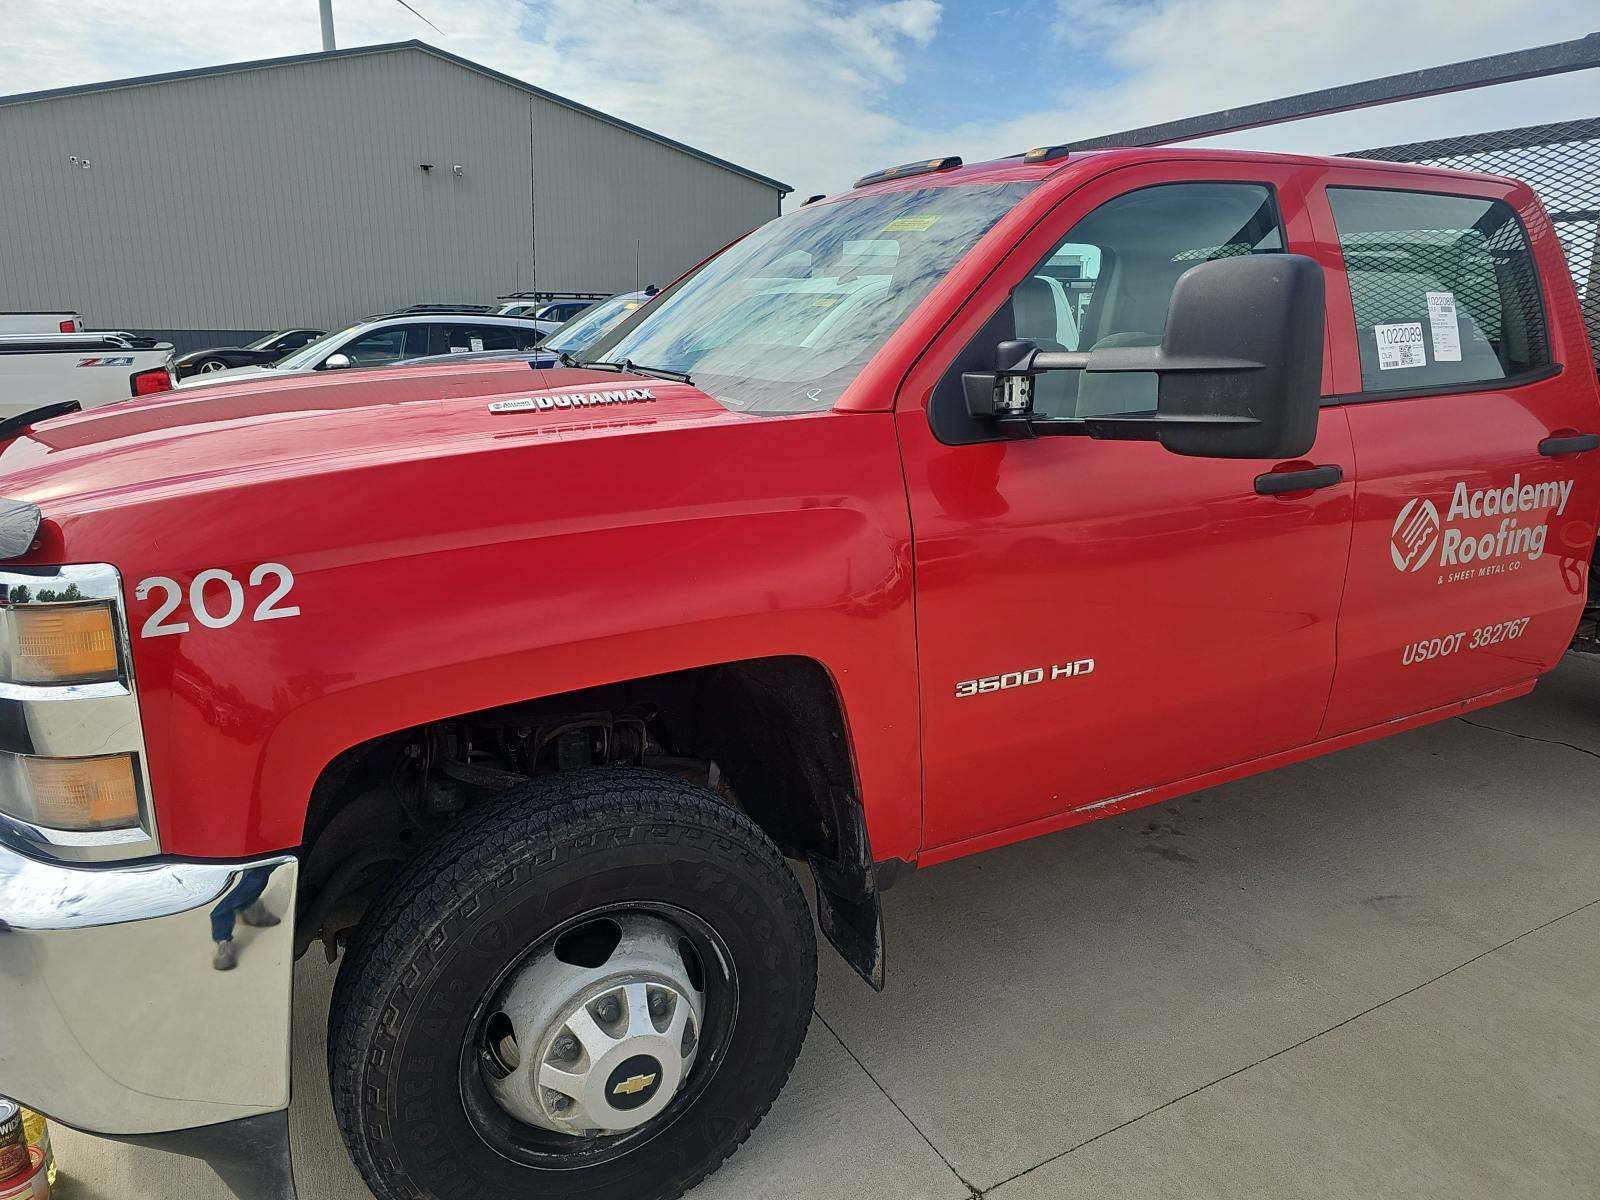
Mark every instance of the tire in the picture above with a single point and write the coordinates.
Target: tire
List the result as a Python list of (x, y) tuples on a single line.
[(207, 365), (405, 1043)]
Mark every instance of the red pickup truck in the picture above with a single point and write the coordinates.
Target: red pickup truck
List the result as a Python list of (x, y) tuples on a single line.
[(975, 503)]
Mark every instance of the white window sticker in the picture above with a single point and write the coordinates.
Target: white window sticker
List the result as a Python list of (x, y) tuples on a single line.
[(477, 345), (1400, 345), (1446, 332)]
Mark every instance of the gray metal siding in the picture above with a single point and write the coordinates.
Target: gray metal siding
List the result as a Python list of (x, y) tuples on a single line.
[(603, 196), (293, 194)]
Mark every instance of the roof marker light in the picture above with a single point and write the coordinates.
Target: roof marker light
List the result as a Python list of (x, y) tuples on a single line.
[(925, 167), (1041, 154)]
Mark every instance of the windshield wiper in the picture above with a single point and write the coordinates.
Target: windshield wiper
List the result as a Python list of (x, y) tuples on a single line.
[(12, 426), (628, 367)]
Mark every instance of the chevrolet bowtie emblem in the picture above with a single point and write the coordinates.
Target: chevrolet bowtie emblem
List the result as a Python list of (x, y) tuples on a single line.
[(632, 1087)]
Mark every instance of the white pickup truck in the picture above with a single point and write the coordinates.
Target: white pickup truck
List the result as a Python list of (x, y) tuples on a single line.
[(89, 368), (62, 320)]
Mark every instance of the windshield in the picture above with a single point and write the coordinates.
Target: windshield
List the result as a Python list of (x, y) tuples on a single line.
[(784, 320), (588, 325), (263, 343), (309, 355)]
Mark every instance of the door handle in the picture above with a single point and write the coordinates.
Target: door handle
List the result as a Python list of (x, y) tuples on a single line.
[(1275, 483), (1577, 443)]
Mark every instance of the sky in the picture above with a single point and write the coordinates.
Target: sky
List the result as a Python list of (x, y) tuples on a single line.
[(817, 92)]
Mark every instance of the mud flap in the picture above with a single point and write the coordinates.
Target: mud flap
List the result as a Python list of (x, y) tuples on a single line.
[(250, 1156), (852, 920)]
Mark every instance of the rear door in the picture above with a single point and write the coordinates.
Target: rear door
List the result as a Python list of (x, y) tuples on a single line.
[(1472, 416), (1095, 618)]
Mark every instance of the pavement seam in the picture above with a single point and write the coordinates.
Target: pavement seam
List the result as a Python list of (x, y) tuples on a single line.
[(965, 1182), (1285, 1050), (1530, 737)]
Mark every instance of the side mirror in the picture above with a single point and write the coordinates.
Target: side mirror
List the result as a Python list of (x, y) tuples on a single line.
[(336, 362), (1239, 367)]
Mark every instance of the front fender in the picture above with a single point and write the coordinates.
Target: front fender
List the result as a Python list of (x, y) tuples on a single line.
[(427, 589)]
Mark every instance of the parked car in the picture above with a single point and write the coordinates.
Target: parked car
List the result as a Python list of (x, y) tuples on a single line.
[(29, 324), (381, 341), (589, 326), (89, 368), (260, 352), (550, 309), (531, 691)]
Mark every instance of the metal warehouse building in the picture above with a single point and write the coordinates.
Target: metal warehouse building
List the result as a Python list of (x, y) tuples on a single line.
[(317, 189)]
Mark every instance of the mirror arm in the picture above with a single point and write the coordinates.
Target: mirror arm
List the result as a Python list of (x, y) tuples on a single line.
[(1123, 429)]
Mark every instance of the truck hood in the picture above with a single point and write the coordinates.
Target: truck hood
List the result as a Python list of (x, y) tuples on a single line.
[(189, 440)]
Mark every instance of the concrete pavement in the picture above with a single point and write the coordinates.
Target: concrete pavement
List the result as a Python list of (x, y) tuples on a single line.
[(1371, 975)]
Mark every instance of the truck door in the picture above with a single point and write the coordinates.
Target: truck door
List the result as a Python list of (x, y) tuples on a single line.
[(1096, 618), (1473, 414)]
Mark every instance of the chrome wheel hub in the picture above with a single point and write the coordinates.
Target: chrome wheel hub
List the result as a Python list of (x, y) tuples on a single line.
[(598, 1031)]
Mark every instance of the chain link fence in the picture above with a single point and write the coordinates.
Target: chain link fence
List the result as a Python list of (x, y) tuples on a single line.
[(1561, 163)]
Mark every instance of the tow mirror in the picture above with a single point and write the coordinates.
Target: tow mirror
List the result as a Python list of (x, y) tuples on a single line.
[(336, 362), (1239, 367)]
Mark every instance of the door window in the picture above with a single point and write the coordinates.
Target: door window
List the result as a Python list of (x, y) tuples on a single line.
[(1109, 281), (387, 345), (1444, 288)]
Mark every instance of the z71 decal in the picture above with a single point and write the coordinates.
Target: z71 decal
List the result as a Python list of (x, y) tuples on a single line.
[(224, 604)]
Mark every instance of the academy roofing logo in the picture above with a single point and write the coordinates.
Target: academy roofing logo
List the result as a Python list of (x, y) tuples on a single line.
[(1419, 531), (1416, 533), (572, 400)]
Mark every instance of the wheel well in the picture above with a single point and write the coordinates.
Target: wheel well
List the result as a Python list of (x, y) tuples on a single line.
[(768, 735)]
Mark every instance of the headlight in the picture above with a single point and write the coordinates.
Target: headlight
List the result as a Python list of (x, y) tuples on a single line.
[(62, 643), (77, 794), (74, 784)]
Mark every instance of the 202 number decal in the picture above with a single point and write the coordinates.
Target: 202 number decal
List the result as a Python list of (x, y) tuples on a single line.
[(214, 611)]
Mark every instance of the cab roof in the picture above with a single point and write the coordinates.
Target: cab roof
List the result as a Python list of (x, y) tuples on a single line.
[(1018, 169)]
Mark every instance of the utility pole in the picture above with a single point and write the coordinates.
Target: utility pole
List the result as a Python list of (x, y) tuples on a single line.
[(327, 23)]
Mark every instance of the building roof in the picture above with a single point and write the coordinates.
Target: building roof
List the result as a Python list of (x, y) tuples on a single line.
[(384, 48)]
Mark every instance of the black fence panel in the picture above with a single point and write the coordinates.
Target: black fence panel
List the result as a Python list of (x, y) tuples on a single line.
[(1561, 163)]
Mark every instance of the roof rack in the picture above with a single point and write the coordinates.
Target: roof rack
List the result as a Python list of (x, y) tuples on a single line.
[(546, 296), (444, 308), (926, 166)]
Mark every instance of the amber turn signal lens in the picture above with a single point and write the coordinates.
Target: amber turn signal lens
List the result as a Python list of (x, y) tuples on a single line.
[(80, 794), (62, 643)]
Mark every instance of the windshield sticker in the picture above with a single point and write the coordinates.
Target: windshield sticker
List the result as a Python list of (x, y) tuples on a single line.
[(1400, 345), (1442, 322), (571, 400), (909, 225)]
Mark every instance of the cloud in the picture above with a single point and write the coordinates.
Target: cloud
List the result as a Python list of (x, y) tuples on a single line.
[(815, 91), (1157, 60), (797, 89)]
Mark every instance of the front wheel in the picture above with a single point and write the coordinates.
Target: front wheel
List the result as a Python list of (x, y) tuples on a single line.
[(594, 988), (208, 365)]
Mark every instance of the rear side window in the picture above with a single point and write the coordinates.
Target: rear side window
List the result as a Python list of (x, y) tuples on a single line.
[(469, 339), (1444, 288)]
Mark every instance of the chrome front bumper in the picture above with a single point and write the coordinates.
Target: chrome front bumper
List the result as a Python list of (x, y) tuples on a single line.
[(112, 1018)]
